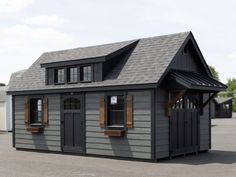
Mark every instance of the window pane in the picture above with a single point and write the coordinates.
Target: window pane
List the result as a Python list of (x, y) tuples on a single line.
[(71, 103), (35, 110), (87, 73), (39, 105), (60, 76), (115, 110), (73, 75)]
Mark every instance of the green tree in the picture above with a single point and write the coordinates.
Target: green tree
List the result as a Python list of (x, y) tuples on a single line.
[(230, 91), (214, 73), (231, 84)]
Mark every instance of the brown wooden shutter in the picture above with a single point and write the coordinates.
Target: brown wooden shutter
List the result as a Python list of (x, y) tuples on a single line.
[(26, 111), (129, 111), (45, 110), (102, 109)]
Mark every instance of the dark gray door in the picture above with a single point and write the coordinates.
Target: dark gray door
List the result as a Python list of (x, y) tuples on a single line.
[(184, 125), (73, 123)]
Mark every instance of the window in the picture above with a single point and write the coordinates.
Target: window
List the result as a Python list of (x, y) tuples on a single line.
[(72, 75), (115, 111), (71, 103), (59, 76), (86, 73), (36, 110), (226, 107)]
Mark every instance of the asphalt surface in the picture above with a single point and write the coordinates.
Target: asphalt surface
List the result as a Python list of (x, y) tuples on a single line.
[(219, 162)]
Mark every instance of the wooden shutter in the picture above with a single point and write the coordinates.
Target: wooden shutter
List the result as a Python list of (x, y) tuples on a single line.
[(102, 109), (26, 111), (129, 111), (45, 110)]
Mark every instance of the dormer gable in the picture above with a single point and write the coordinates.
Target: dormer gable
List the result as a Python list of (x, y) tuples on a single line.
[(80, 70)]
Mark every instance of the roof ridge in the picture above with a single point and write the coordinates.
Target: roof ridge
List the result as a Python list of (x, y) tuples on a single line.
[(118, 42), (99, 45)]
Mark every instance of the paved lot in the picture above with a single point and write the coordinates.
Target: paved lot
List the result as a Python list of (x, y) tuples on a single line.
[(219, 162)]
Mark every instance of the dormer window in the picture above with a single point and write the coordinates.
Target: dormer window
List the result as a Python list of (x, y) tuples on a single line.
[(72, 75), (60, 76), (86, 73)]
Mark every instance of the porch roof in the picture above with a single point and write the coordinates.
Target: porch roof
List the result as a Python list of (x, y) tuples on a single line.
[(196, 81)]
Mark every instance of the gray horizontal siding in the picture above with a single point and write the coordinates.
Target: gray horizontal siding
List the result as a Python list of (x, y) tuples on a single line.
[(162, 125), (204, 127), (137, 141), (50, 138)]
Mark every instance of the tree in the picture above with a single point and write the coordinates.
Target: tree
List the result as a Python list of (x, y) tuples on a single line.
[(231, 84), (230, 91), (214, 73)]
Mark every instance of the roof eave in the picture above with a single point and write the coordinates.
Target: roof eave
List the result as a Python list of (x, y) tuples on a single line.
[(74, 62), (86, 89)]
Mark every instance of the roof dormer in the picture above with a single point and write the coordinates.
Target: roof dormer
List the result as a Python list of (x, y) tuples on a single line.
[(90, 64)]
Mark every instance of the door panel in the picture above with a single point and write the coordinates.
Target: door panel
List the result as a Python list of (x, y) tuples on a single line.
[(180, 129), (73, 124), (78, 140), (68, 122)]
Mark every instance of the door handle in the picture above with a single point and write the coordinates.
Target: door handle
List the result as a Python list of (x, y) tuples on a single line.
[(62, 122)]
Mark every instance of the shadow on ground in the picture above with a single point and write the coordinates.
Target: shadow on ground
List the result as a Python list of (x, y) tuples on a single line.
[(213, 156)]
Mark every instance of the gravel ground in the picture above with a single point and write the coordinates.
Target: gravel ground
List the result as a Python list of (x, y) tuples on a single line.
[(219, 162)]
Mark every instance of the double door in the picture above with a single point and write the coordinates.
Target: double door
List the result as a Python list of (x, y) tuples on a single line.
[(184, 125)]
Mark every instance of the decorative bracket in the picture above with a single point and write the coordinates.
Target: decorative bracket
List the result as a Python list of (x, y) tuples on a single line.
[(209, 99)]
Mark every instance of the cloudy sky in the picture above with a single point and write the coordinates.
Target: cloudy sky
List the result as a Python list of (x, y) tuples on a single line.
[(30, 27)]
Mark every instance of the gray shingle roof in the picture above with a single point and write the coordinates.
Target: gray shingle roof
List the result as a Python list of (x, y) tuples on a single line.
[(15, 78), (3, 95), (145, 65), (220, 100), (83, 52)]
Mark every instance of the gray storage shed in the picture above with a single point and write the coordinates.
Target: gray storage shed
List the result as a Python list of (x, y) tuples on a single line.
[(222, 107), (145, 98)]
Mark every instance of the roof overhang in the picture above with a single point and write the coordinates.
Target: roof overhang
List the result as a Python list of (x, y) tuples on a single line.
[(195, 81), (86, 89)]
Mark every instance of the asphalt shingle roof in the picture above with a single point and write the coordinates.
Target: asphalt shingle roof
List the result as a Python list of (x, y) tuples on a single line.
[(3, 95), (83, 52), (145, 65), (15, 79)]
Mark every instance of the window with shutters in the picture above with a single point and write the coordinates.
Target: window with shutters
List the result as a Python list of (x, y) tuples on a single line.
[(116, 114), (36, 108), (36, 113), (115, 111)]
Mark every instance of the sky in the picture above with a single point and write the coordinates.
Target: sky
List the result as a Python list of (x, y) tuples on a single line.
[(30, 27)]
